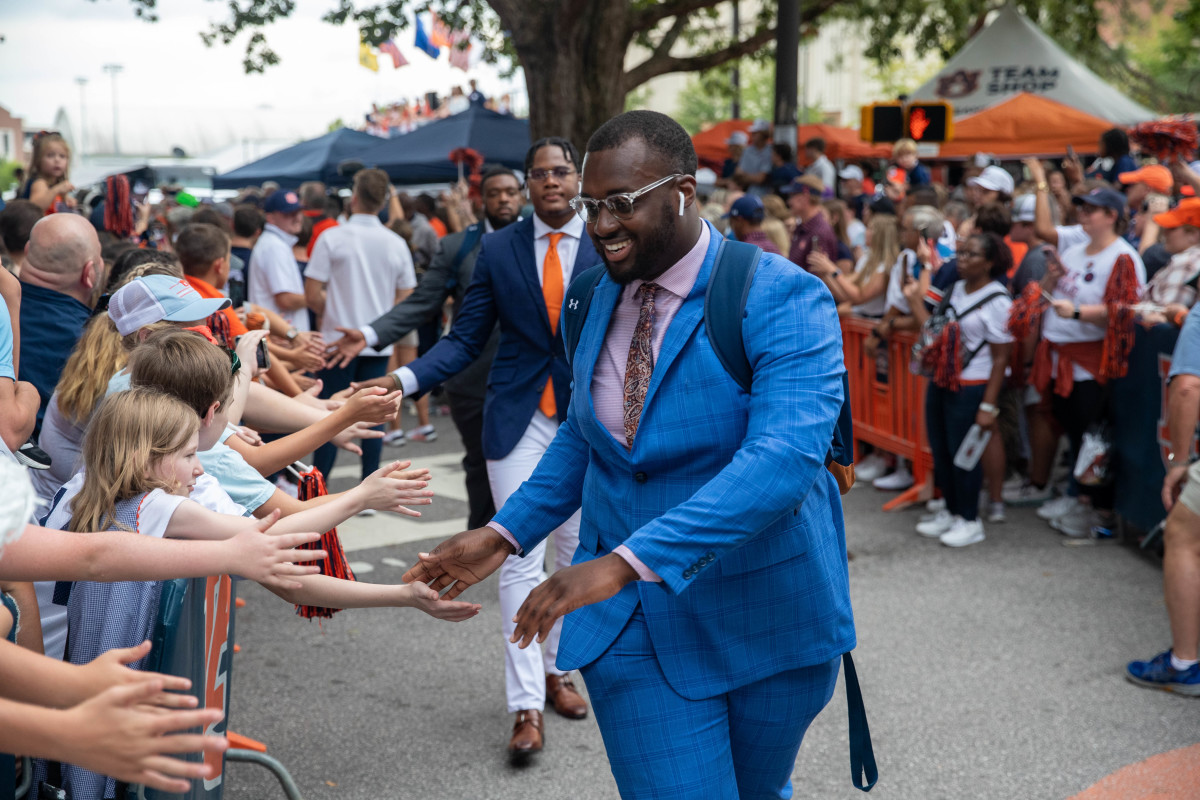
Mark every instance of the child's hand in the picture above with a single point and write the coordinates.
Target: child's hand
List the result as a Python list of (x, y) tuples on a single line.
[(112, 669), (359, 430), (247, 348), (426, 599), (404, 473), (248, 435), (387, 494), (271, 559), (120, 733), (374, 405)]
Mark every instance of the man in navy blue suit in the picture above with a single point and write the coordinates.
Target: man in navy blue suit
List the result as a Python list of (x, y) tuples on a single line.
[(708, 602), (520, 277)]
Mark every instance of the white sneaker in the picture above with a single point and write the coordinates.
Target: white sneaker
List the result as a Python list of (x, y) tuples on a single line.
[(932, 508), (1077, 525), (941, 522), (996, 512), (1026, 494), (394, 438), (898, 480), (425, 433), (963, 534), (1015, 482), (1059, 507), (872, 467), (367, 512)]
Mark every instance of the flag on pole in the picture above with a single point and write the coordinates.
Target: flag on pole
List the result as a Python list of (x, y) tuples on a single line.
[(389, 48), (422, 41), (439, 32), (460, 50), (366, 56)]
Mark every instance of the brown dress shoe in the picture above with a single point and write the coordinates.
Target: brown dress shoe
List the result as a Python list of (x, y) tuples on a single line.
[(561, 693), (527, 734)]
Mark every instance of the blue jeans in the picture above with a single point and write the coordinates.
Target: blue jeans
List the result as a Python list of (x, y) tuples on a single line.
[(948, 417), (363, 368)]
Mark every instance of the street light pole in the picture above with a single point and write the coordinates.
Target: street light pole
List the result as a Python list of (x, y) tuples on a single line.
[(736, 77), (114, 70), (82, 118)]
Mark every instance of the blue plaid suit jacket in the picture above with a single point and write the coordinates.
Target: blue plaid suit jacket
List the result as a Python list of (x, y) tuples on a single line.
[(724, 495)]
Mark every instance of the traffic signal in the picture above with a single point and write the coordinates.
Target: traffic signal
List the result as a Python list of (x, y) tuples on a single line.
[(929, 122), (882, 122)]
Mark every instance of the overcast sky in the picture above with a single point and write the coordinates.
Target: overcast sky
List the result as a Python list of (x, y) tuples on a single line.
[(168, 70)]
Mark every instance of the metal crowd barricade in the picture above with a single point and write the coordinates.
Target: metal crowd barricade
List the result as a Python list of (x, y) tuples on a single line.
[(889, 409)]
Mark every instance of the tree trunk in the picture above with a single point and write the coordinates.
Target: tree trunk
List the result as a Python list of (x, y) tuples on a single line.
[(573, 54)]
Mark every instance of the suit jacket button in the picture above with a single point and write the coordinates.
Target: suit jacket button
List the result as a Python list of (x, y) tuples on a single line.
[(640, 477)]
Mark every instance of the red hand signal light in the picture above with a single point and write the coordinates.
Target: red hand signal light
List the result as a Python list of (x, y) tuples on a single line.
[(918, 121)]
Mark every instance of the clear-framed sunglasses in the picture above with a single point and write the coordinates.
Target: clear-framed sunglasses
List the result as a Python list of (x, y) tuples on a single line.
[(619, 205)]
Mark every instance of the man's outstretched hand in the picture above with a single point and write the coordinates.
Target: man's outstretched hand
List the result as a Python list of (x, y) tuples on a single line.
[(568, 589), (461, 561), (341, 352)]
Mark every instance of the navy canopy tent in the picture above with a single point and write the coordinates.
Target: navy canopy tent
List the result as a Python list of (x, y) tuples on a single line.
[(314, 160), (423, 156)]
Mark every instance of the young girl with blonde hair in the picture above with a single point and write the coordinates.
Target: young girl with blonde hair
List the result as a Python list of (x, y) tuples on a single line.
[(47, 186)]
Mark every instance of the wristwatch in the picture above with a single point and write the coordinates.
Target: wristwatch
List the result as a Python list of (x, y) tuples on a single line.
[(396, 380), (292, 334), (1043, 186), (1076, 313)]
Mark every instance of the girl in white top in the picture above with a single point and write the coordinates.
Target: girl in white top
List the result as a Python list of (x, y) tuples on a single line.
[(141, 465), (972, 358), (864, 292)]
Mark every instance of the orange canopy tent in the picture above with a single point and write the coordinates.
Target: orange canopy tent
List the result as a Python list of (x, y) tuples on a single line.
[(1025, 125), (840, 143)]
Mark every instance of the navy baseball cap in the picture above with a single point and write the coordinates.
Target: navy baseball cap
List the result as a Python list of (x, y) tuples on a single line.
[(1102, 198), (282, 201), (747, 206)]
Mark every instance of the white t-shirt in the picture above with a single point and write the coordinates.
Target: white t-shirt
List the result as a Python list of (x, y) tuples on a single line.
[(1070, 236), (986, 324), (153, 516), (1084, 283), (895, 291), (875, 307), (273, 269), (856, 232), (362, 264)]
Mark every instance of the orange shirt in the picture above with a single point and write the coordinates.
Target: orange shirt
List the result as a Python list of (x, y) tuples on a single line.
[(319, 227), (1019, 249), (205, 289), (438, 226)]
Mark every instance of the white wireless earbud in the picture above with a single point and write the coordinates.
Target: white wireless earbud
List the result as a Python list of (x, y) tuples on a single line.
[(681, 204)]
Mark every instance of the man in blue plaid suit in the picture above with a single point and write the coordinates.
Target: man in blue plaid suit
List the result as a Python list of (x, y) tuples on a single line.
[(708, 602)]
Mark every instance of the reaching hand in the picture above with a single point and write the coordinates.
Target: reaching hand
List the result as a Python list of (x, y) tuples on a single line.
[(247, 347), (427, 600), (461, 561), (374, 405), (389, 494), (123, 732), (568, 589), (111, 668), (404, 473), (1037, 172), (345, 349), (271, 559), (359, 430)]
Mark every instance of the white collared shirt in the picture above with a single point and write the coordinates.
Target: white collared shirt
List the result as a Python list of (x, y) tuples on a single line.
[(568, 245), (273, 270), (362, 264)]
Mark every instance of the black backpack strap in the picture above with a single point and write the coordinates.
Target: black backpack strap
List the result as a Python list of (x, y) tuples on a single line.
[(576, 302), (474, 234), (862, 755), (729, 282)]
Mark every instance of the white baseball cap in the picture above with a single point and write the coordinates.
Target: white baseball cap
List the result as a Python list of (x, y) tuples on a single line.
[(994, 179), (738, 137), (1023, 208), (154, 298), (760, 126), (851, 173)]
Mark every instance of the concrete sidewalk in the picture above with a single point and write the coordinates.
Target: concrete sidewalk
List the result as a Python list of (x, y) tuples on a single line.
[(989, 672)]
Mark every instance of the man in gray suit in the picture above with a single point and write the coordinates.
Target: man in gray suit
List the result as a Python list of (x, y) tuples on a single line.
[(450, 274)]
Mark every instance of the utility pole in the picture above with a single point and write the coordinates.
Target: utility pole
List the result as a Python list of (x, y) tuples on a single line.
[(787, 72), (82, 118), (736, 77), (114, 70)]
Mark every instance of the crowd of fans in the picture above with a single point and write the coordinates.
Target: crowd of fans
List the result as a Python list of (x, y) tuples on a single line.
[(162, 367), (406, 115)]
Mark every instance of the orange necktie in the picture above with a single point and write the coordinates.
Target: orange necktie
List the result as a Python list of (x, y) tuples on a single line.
[(552, 290)]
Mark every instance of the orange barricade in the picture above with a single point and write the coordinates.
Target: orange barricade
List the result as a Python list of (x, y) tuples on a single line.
[(889, 409)]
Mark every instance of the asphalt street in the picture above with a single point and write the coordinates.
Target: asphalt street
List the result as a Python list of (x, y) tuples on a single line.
[(995, 671)]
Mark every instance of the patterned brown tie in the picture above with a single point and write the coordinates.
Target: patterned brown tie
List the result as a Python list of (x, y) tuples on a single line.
[(641, 362)]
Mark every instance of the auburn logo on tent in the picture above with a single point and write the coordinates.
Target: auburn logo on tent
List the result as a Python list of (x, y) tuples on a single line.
[(959, 84)]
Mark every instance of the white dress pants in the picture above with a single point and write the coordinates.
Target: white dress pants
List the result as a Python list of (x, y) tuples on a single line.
[(525, 670)]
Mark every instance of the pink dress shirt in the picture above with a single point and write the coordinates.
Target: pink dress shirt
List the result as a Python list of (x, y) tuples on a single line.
[(608, 377)]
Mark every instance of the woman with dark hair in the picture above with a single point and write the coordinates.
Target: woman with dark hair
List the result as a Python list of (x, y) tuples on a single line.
[(971, 357), (1112, 157)]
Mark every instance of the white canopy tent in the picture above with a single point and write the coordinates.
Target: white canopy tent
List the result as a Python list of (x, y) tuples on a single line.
[(1013, 55)]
